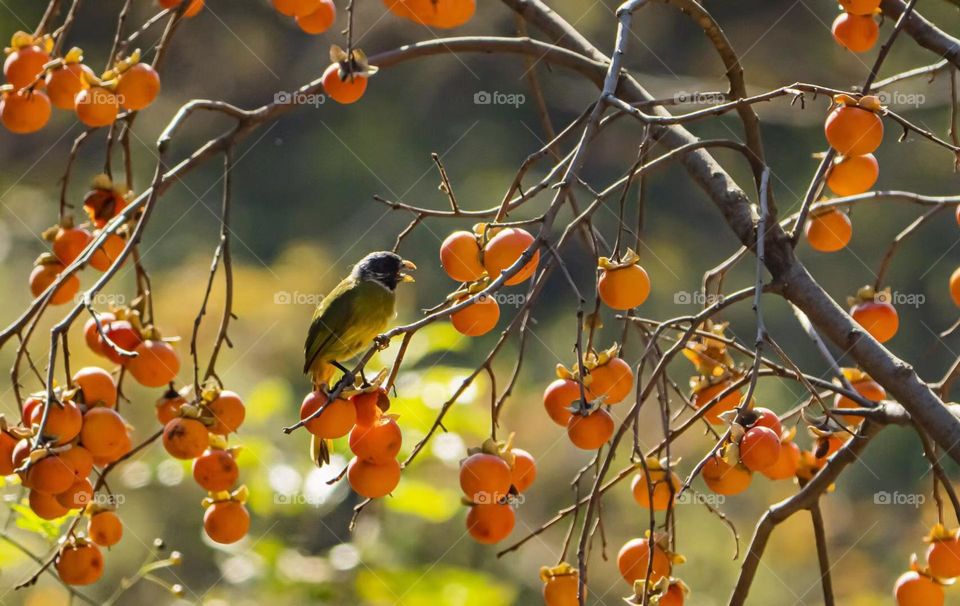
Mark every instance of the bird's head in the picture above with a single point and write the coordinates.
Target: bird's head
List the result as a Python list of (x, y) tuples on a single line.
[(386, 268)]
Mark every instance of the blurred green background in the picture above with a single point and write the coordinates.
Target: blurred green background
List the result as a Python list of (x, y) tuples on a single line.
[(303, 213)]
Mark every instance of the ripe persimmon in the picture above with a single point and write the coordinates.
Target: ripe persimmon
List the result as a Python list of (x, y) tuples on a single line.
[(295, 8), (562, 589), (335, 421), (228, 413), (857, 33), (45, 505), (673, 596), (853, 131), (79, 563), (852, 175), (49, 475), (122, 334), (185, 438), (444, 14), (78, 459), (478, 318), (866, 387), (7, 444), (828, 231), (460, 257), (373, 480), (915, 589), (123, 446), (101, 205), (107, 253), (24, 111), (943, 557), (320, 19), (104, 431), (634, 559), (78, 495), (25, 64), (97, 106), (723, 478), (730, 401), (63, 422), (590, 431), (625, 287), (155, 365), (485, 478), (343, 87), (376, 443), (788, 461), (105, 528), (759, 448), (368, 406), (879, 318), (168, 406), (226, 522), (955, 286), (860, 7), (767, 418), (558, 397), (490, 523), (45, 274), (63, 84), (192, 9), (92, 336), (524, 470), (97, 387), (216, 470), (138, 87), (664, 489), (69, 242), (611, 381), (503, 250)]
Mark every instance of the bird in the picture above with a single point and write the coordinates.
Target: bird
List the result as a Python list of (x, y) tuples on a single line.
[(352, 315)]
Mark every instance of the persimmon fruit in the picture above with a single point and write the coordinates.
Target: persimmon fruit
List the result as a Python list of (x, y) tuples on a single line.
[(373, 480), (591, 431), (524, 470), (228, 413), (723, 478), (490, 523), (612, 381), (853, 131), (105, 528), (342, 87), (45, 274), (335, 421), (879, 318), (503, 250), (24, 112), (828, 231), (478, 318), (460, 257), (138, 87), (856, 33), (633, 560), (79, 563), (485, 478), (64, 421), (96, 386), (24, 65), (624, 288), (320, 19), (96, 106), (915, 589), (853, 175), (558, 397), (216, 470), (943, 558), (226, 522), (104, 432), (185, 438), (63, 84), (759, 448), (376, 443), (708, 393), (665, 489), (155, 364)]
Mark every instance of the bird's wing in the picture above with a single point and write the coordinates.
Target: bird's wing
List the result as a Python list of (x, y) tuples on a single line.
[(336, 310)]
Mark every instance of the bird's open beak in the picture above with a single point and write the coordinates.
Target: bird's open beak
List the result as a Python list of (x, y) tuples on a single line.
[(409, 266)]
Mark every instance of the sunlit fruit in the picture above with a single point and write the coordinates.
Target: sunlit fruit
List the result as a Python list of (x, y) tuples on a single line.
[(192, 9), (590, 431), (155, 364), (78, 459), (45, 274), (103, 432), (336, 420), (168, 406), (69, 242), (611, 381), (78, 495), (373, 480), (63, 421), (955, 286), (79, 563), (759, 448), (107, 253), (860, 7), (46, 505), (368, 406), (524, 470), (664, 488), (558, 397), (490, 523), (295, 8), (828, 231), (853, 175), (185, 438), (767, 418), (879, 318), (485, 478), (97, 106), (866, 387), (504, 249), (122, 334), (320, 19), (228, 412), (634, 560), (63, 84), (478, 318), (460, 257), (97, 387), (624, 288), (915, 589), (376, 443), (562, 589), (853, 131), (101, 205), (105, 528), (788, 461), (7, 444), (138, 87), (727, 402), (343, 88), (24, 64), (92, 336), (216, 470), (226, 522), (443, 14), (857, 33), (49, 475), (723, 478), (24, 111), (943, 558)]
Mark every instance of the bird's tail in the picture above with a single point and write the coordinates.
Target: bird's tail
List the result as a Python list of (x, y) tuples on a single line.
[(321, 373)]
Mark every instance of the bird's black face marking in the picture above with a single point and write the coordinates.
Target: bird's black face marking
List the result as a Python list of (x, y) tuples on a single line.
[(383, 267)]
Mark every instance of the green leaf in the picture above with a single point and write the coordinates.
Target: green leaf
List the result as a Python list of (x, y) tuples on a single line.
[(436, 586), (29, 521), (424, 500)]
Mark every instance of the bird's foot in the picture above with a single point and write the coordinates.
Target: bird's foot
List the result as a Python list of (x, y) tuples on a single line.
[(382, 342)]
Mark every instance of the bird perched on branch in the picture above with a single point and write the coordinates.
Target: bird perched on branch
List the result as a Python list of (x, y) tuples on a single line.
[(354, 313)]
